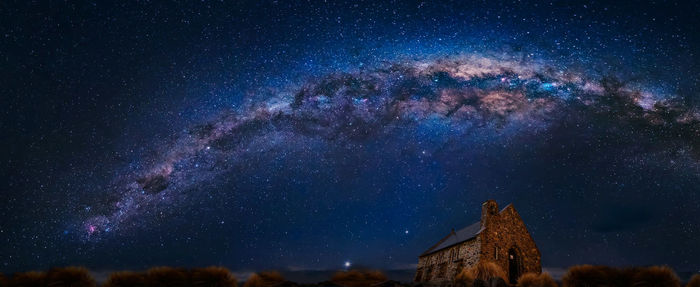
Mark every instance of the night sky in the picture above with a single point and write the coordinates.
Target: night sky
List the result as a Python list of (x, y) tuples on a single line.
[(298, 135)]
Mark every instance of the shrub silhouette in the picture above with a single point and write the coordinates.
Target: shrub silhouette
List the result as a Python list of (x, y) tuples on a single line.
[(528, 280), (536, 280), (167, 277), (485, 270), (268, 278), (213, 277), (694, 281), (546, 280), (355, 278), (70, 276), (590, 276), (493, 282), (656, 276), (28, 279), (126, 279), (625, 276), (464, 278), (483, 274)]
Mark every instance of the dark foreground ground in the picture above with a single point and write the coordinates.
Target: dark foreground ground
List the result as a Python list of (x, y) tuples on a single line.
[(482, 275)]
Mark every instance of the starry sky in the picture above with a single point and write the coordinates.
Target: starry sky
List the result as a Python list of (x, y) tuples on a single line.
[(301, 135)]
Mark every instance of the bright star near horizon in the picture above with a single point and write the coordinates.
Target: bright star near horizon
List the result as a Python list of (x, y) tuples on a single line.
[(347, 264)]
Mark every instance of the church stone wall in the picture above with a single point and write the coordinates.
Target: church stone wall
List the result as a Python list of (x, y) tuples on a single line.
[(506, 230), (443, 266)]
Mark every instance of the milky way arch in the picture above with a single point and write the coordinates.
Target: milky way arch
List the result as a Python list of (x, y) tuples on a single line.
[(469, 94)]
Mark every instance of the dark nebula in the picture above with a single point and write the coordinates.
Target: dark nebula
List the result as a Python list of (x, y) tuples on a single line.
[(153, 183)]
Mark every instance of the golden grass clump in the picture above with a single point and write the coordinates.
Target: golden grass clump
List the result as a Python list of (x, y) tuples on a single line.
[(656, 276), (536, 280), (589, 275), (375, 276), (28, 279), (694, 281), (167, 277), (464, 278), (485, 270), (213, 276), (125, 279), (356, 278), (528, 280), (546, 280), (263, 279), (70, 276)]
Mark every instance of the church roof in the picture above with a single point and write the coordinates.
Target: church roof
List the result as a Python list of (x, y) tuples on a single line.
[(455, 237)]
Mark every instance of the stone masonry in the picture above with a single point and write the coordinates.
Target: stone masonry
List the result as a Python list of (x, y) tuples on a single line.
[(499, 237)]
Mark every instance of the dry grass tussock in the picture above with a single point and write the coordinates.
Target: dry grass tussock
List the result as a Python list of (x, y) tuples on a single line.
[(126, 279), (655, 276), (482, 273), (536, 280), (487, 270), (264, 279), (28, 279), (167, 277), (589, 275), (213, 277), (70, 276), (694, 281), (464, 278)]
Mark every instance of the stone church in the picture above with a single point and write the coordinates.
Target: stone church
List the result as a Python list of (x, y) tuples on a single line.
[(500, 237)]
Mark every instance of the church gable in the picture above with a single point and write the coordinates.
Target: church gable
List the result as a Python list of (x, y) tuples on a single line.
[(507, 243)]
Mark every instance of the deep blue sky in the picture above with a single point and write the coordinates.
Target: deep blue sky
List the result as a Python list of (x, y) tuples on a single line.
[(139, 134)]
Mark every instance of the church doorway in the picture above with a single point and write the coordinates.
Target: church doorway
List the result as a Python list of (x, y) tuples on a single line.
[(513, 266)]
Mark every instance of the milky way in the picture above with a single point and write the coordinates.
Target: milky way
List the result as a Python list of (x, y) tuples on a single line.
[(469, 95)]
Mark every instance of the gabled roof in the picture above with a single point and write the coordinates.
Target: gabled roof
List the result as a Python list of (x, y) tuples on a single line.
[(456, 237)]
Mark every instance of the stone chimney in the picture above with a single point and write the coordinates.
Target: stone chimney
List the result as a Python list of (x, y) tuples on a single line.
[(488, 210)]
